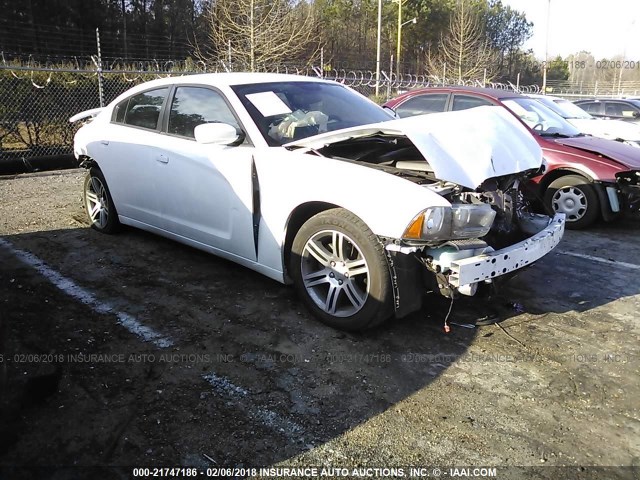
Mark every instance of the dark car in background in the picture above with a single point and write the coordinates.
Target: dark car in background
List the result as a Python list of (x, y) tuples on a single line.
[(585, 178), (627, 110)]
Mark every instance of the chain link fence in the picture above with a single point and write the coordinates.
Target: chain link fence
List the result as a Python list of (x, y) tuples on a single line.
[(36, 102), (575, 90)]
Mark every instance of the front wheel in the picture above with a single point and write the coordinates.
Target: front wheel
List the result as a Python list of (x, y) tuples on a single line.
[(341, 272), (574, 196), (98, 203)]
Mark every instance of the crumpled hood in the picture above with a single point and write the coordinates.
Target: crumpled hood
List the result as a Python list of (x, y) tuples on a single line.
[(465, 147), (624, 154)]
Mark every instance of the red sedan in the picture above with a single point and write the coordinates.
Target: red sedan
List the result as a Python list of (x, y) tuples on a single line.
[(586, 178)]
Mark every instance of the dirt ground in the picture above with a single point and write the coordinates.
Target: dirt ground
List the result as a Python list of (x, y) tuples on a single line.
[(131, 350)]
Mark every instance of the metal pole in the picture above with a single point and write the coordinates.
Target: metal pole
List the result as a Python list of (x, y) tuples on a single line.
[(624, 54), (322, 62), (99, 65), (546, 52), (391, 78), (399, 38), (378, 48), (229, 53)]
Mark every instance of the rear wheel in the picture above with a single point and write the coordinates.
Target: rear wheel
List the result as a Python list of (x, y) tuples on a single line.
[(98, 203), (576, 197), (340, 271)]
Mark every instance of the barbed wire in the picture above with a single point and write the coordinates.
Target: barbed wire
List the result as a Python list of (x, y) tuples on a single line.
[(37, 97)]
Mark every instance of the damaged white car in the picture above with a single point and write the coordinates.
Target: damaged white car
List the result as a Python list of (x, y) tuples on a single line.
[(310, 183)]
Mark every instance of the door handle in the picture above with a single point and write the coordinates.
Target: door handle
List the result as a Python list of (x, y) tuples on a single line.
[(104, 142), (162, 159)]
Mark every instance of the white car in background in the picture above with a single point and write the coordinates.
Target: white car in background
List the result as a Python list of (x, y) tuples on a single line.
[(618, 130), (310, 183)]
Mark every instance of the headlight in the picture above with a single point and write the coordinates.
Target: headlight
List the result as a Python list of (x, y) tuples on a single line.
[(451, 223)]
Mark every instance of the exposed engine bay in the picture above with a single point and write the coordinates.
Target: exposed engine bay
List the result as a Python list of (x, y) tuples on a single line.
[(398, 156), (511, 218)]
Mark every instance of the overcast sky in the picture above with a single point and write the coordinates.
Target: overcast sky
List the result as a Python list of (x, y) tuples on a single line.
[(604, 27)]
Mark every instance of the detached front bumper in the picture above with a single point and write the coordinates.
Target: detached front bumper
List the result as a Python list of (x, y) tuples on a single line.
[(472, 270)]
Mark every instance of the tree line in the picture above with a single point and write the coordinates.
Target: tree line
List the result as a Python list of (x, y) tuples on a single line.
[(452, 38)]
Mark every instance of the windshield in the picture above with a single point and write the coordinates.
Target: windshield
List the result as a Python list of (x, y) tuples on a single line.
[(541, 119), (565, 108), (288, 111)]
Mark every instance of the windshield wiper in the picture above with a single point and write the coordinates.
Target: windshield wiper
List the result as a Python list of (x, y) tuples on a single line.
[(556, 135)]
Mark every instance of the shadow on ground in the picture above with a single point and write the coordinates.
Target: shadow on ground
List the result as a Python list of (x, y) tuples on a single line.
[(251, 378)]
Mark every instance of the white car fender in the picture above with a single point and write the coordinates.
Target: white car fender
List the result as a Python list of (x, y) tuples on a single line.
[(332, 181)]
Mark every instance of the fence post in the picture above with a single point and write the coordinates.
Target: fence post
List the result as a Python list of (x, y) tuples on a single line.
[(99, 67)]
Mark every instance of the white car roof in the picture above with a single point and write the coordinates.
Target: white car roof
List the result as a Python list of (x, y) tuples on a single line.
[(230, 79), (220, 80), (538, 95)]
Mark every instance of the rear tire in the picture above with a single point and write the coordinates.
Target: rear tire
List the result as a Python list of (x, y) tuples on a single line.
[(576, 197), (340, 271), (101, 211)]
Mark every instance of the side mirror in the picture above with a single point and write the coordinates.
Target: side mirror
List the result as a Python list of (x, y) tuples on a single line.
[(391, 111), (218, 134)]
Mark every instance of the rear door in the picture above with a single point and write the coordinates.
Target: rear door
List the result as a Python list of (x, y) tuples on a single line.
[(126, 155)]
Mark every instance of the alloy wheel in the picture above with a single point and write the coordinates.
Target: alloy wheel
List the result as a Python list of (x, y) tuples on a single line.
[(97, 203), (335, 273)]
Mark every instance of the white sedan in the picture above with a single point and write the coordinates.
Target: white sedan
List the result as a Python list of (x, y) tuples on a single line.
[(310, 183), (618, 130)]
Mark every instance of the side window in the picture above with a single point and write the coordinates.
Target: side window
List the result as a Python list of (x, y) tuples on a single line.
[(119, 111), (193, 106), (613, 109), (418, 105), (617, 109), (590, 107), (143, 110), (464, 102)]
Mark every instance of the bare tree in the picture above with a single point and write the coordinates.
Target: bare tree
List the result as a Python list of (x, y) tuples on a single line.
[(465, 48), (257, 34)]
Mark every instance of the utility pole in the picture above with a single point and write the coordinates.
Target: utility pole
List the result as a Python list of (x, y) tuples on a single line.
[(378, 48), (546, 52)]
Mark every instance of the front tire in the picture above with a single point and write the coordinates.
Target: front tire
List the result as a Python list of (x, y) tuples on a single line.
[(98, 203), (574, 196), (340, 271)]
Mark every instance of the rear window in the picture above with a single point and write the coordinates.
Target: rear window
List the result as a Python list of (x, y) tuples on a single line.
[(421, 104), (141, 110), (591, 107), (465, 102)]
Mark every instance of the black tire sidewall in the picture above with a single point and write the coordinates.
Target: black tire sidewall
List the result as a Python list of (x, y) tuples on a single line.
[(587, 188), (112, 221), (378, 306)]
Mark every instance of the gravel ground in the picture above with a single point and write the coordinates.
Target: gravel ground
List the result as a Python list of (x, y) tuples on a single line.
[(164, 355)]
